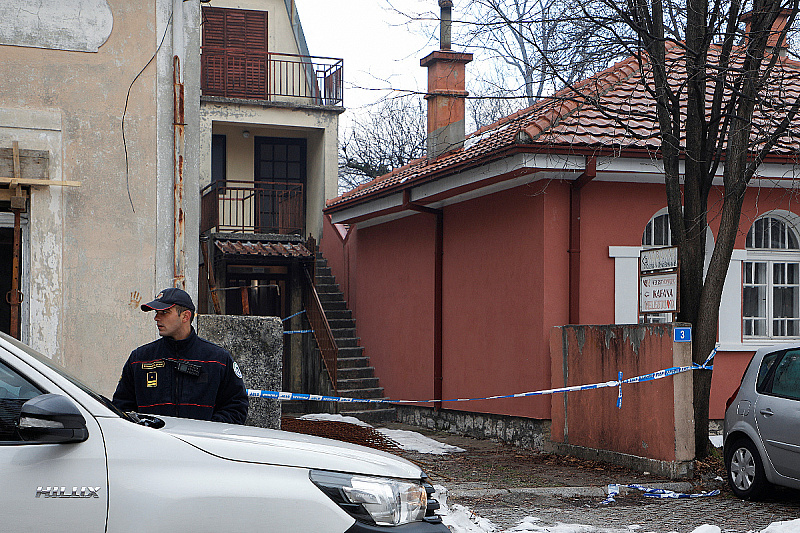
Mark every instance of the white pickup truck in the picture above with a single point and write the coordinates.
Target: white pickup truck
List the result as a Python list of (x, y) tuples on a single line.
[(70, 461)]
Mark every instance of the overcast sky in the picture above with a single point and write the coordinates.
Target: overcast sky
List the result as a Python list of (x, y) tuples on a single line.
[(380, 49)]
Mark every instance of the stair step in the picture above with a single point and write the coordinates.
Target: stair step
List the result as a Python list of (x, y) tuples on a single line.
[(348, 342), (339, 305), (322, 271), (342, 323), (375, 392), (366, 383), (351, 362), (355, 372), (327, 288), (326, 297), (324, 280), (343, 333), (339, 314)]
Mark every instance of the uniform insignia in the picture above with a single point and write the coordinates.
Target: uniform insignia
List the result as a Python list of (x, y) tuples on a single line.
[(152, 379), (152, 364), (236, 370)]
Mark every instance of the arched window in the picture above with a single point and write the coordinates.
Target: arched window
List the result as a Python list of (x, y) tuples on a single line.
[(771, 278), (657, 232)]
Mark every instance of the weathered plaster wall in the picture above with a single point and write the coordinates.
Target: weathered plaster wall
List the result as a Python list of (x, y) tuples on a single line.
[(95, 250), (80, 25), (256, 344), (655, 420), (43, 241)]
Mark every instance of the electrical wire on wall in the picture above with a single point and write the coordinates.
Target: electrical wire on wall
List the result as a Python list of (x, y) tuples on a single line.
[(125, 110)]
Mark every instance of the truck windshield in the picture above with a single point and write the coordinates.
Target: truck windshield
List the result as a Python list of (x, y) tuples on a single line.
[(64, 372)]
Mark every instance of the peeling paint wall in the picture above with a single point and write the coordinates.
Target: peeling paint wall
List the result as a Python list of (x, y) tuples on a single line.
[(79, 25), (93, 251), (656, 418)]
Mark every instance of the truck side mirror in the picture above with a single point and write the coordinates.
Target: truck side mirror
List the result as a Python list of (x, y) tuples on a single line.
[(51, 418)]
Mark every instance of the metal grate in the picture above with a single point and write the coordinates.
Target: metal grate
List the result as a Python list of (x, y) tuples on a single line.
[(342, 431)]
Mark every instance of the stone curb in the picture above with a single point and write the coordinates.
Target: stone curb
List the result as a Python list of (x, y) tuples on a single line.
[(565, 492)]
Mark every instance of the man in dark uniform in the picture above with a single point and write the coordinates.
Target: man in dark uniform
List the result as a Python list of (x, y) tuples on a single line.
[(181, 374)]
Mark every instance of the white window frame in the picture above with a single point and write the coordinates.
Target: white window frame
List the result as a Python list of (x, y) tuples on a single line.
[(771, 257)]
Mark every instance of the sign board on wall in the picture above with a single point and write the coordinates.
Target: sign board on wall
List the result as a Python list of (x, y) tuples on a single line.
[(658, 259), (658, 293), (659, 275)]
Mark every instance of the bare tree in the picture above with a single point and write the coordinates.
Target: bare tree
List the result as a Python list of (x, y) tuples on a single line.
[(543, 44), (720, 105), (386, 136)]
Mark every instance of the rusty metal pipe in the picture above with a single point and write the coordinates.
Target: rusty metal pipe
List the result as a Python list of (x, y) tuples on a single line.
[(179, 124)]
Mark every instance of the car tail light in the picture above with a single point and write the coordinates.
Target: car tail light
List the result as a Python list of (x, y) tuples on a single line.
[(733, 396)]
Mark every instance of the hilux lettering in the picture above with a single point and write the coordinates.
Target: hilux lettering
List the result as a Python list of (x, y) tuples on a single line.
[(61, 492)]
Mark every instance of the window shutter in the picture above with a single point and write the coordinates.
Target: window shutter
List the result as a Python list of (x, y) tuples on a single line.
[(234, 52)]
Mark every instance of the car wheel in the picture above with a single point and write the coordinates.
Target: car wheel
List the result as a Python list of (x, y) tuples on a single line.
[(745, 470)]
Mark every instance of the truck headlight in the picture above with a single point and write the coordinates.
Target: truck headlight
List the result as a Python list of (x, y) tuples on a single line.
[(374, 500)]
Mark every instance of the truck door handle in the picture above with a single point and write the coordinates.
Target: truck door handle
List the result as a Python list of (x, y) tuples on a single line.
[(766, 412)]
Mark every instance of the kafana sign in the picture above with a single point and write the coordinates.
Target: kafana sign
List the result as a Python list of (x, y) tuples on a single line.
[(658, 293), (659, 273)]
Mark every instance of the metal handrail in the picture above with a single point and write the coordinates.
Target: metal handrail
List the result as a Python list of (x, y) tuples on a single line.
[(242, 73), (321, 330), (253, 207)]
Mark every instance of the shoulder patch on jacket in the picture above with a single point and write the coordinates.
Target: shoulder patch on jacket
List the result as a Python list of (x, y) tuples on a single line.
[(236, 370)]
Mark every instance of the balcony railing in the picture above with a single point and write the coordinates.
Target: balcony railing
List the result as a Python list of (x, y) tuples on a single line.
[(237, 73), (253, 207)]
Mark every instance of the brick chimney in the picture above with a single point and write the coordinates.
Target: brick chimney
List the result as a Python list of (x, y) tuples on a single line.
[(446, 90), (776, 44)]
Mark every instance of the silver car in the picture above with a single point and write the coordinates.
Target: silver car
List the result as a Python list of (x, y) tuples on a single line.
[(762, 424), (70, 461)]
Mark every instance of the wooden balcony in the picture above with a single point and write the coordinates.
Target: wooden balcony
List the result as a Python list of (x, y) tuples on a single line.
[(253, 207), (251, 74)]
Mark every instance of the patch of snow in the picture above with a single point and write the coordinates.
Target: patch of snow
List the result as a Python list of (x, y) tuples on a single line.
[(416, 442), (716, 440), (335, 418), (707, 528), (789, 526)]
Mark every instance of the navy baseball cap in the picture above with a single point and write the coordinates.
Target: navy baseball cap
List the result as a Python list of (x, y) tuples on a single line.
[(169, 297)]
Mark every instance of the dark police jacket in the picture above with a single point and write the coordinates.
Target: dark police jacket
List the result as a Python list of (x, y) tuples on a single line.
[(190, 378)]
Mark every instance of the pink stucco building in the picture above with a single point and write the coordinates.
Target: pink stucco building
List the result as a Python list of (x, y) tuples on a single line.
[(458, 266)]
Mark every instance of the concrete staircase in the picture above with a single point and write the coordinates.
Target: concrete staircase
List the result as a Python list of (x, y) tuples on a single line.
[(355, 377)]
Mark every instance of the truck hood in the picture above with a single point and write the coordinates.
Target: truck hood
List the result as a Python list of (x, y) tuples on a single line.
[(269, 446)]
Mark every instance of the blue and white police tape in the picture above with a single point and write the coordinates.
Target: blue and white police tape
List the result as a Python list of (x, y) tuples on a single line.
[(294, 315), (278, 395), (613, 491), (298, 331)]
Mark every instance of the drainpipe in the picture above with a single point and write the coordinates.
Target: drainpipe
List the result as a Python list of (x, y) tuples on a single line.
[(178, 123), (438, 245), (575, 238), (178, 126)]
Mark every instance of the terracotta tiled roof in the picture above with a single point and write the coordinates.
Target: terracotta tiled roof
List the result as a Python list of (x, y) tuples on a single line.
[(265, 249), (569, 119)]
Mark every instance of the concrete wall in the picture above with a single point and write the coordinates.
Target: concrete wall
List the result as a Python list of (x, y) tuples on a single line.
[(655, 421), (256, 344), (95, 252)]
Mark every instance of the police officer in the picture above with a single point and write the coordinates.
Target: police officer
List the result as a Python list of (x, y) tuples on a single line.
[(181, 374)]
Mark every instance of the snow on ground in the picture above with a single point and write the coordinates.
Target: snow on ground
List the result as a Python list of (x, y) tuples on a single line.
[(410, 441), (461, 519), (415, 442), (335, 418)]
